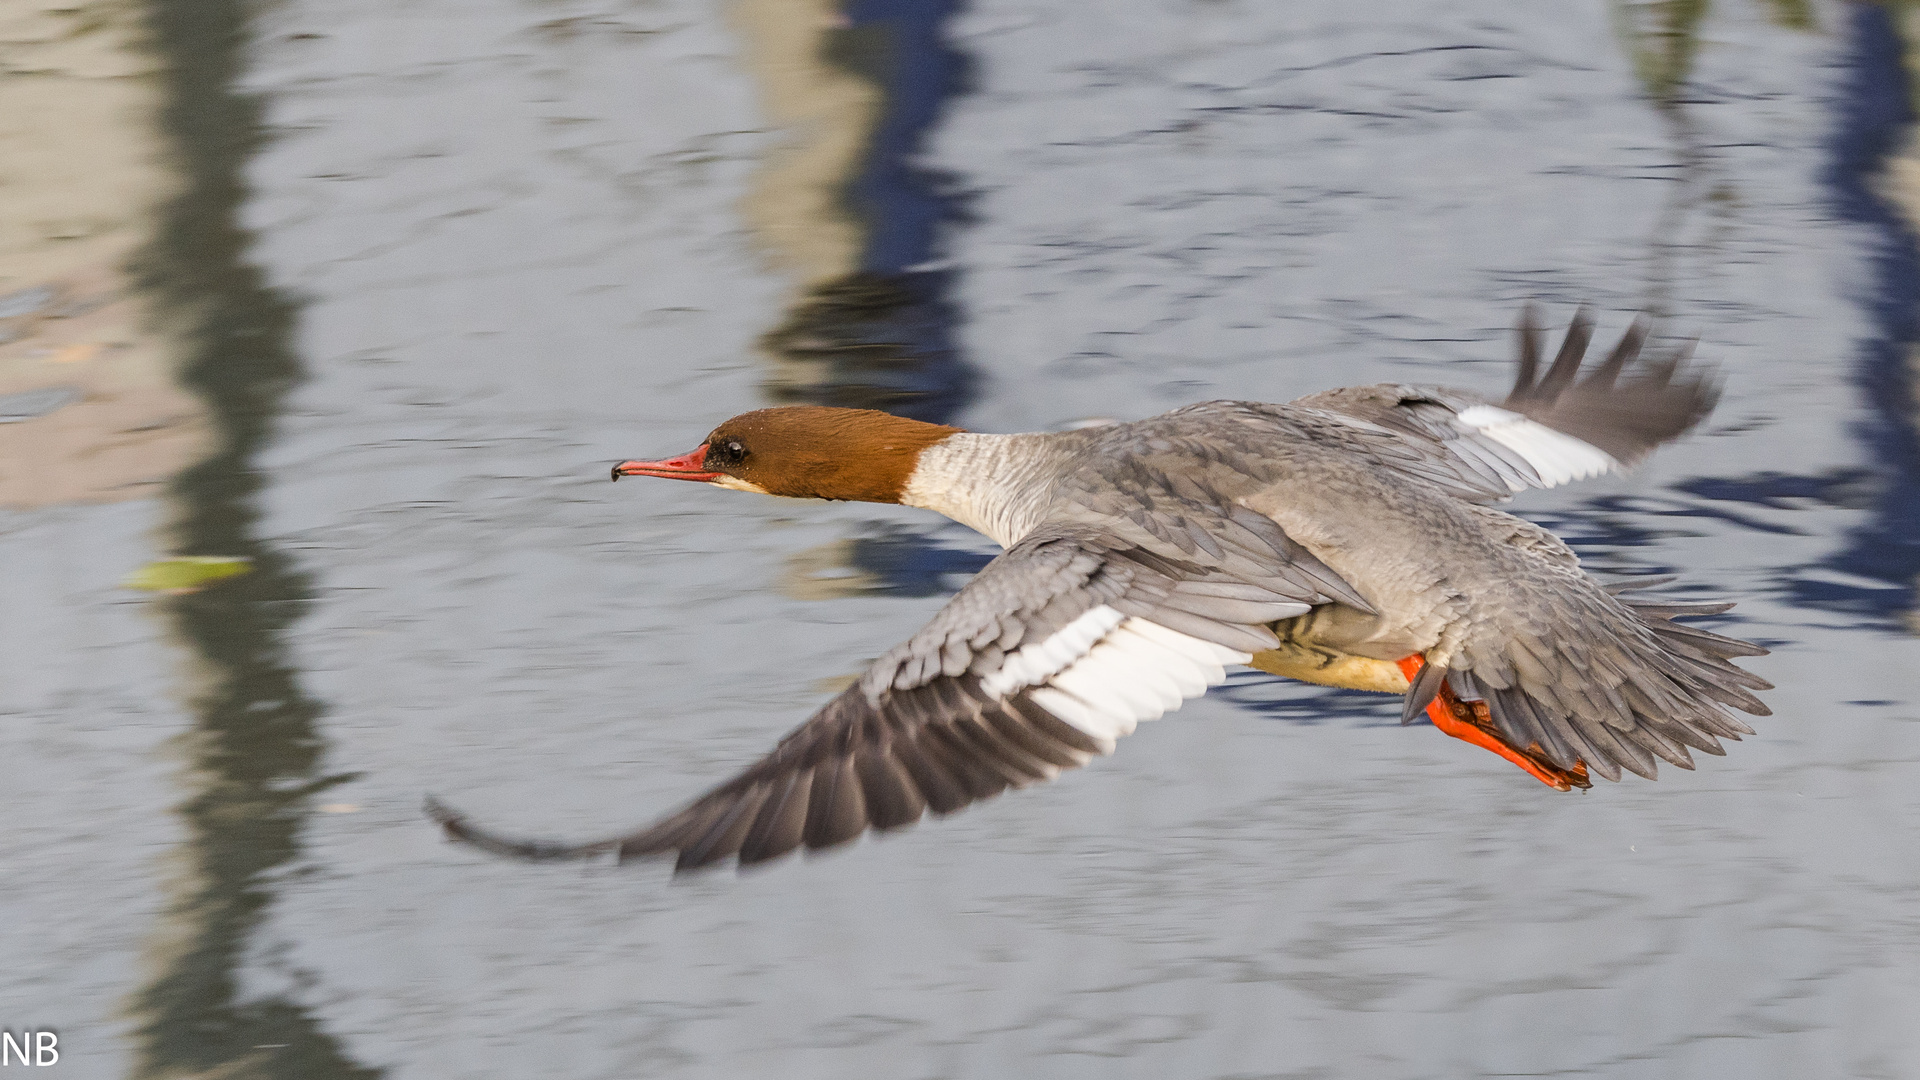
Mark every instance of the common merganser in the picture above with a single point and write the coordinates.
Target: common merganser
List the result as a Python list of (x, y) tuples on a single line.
[(1344, 538)]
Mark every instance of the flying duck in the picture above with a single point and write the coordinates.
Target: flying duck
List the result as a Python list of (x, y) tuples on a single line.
[(1348, 538)]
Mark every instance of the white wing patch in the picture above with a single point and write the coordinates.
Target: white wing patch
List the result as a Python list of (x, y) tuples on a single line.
[(1558, 457), (1033, 663), (1105, 672)]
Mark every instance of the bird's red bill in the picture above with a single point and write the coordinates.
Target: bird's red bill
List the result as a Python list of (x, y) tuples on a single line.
[(688, 466), (1470, 722)]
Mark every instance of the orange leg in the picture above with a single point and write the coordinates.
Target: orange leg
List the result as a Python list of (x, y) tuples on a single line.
[(1470, 721)]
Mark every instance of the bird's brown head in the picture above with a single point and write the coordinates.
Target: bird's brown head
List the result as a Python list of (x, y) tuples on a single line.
[(804, 451)]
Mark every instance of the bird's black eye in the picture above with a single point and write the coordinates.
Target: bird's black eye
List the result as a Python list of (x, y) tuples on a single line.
[(727, 453)]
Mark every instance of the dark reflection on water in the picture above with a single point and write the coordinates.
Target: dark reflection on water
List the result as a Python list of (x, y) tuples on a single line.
[(1874, 118), (254, 753), (909, 563), (885, 560), (882, 337), (872, 341), (897, 44), (1876, 114)]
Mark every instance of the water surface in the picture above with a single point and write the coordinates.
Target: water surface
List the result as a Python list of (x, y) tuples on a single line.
[(445, 261)]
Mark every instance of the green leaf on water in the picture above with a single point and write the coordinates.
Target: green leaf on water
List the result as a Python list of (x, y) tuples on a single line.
[(186, 573)]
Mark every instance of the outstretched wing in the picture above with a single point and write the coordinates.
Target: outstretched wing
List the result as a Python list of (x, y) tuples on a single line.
[(1551, 429), (1056, 649), (1580, 672), (1613, 685)]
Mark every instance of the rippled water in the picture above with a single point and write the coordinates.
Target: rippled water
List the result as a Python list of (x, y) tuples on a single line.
[(432, 265)]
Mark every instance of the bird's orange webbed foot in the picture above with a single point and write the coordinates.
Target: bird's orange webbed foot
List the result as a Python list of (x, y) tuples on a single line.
[(1470, 721)]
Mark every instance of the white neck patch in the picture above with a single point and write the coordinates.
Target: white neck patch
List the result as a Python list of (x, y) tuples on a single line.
[(994, 484)]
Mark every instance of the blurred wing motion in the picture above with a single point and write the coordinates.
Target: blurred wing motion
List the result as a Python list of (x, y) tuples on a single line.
[(1055, 650), (1552, 429)]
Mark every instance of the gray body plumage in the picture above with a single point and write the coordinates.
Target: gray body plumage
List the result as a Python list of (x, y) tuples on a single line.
[(1350, 525)]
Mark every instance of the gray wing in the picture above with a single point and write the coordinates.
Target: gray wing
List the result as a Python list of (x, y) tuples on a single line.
[(1590, 673), (1551, 429), (1057, 648), (1650, 690)]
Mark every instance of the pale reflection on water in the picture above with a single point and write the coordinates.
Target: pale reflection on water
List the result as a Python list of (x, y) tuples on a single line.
[(434, 265)]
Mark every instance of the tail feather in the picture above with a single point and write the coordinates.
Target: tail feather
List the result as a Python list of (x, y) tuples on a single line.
[(1608, 683)]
